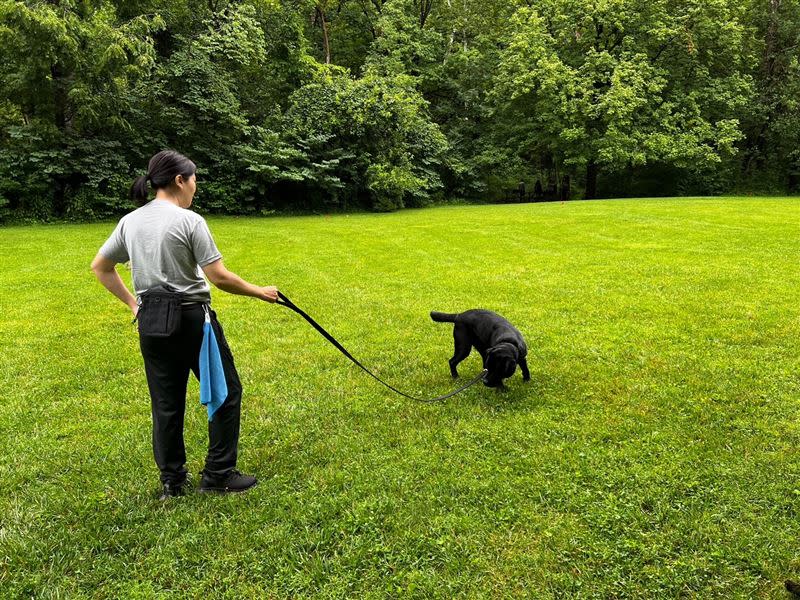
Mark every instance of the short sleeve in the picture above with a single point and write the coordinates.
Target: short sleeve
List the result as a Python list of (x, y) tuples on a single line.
[(203, 246), (114, 248)]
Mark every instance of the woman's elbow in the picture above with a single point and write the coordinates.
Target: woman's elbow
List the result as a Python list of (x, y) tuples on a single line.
[(218, 276), (101, 265), (221, 281), (96, 267)]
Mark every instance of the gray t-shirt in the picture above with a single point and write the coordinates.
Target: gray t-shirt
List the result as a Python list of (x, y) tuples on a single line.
[(166, 244)]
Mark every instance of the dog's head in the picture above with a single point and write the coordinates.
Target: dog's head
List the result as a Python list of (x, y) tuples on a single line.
[(501, 362)]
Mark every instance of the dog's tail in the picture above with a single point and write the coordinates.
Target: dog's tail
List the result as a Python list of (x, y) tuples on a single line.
[(443, 317)]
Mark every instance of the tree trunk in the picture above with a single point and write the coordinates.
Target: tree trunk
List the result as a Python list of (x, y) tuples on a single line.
[(59, 96), (452, 32), (465, 25), (756, 143), (425, 7), (768, 65), (325, 41), (591, 180), (60, 119), (793, 182), (565, 191)]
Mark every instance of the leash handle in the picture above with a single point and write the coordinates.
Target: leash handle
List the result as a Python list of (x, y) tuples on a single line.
[(284, 301)]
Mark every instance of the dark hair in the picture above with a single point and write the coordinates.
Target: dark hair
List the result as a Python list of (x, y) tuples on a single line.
[(162, 170)]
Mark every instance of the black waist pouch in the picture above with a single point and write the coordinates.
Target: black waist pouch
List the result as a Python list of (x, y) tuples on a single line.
[(159, 312)]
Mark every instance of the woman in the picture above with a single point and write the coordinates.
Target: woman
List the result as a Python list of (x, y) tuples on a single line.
[(167, 246)]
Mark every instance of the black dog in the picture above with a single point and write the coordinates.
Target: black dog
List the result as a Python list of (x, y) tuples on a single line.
[(500, 344)]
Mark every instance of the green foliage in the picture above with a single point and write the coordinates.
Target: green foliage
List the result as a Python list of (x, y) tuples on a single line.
[(772, 123), (625, 84), (386, 151), (67, 74), (326, 104)]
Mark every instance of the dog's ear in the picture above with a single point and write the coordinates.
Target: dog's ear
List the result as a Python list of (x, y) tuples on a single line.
[(514, 352), (492, 355), (506, 349), (509, 366)]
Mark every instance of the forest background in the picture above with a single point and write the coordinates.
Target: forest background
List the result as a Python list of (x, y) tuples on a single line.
[(334, 105)]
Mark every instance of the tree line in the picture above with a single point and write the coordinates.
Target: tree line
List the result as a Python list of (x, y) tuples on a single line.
[(321, 105)]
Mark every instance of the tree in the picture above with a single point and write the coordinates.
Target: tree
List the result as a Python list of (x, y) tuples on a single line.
[(219, 98), (386, 153), (68, 69), (602, 87), (773, 119)]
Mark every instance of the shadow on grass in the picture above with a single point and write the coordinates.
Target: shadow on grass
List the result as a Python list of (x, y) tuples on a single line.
[(517, 396)]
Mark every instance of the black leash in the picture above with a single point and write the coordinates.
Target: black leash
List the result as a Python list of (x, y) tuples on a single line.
[(284, 301)]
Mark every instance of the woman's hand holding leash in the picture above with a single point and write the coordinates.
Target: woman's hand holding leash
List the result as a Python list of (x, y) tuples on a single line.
[(270, 294)]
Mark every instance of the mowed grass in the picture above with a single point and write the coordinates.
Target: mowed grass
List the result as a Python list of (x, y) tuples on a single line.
[(653, 454)]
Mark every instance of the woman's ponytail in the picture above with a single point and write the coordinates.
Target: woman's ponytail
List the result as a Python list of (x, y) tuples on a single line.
[(139, 190), (161, 172)]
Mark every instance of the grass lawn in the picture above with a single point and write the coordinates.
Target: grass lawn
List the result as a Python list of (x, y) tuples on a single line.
[(653, 454)]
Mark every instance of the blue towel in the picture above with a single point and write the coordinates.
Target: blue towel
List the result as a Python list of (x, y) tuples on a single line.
[(213, 388)]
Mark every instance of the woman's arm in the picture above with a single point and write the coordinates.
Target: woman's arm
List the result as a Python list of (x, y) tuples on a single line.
[(106, 272), (230, 282)]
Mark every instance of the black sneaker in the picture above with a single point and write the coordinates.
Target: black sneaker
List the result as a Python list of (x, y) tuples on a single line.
[(231, 483), (172, 490)]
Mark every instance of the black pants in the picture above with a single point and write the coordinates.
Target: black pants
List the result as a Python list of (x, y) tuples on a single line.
[(167, 362)]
